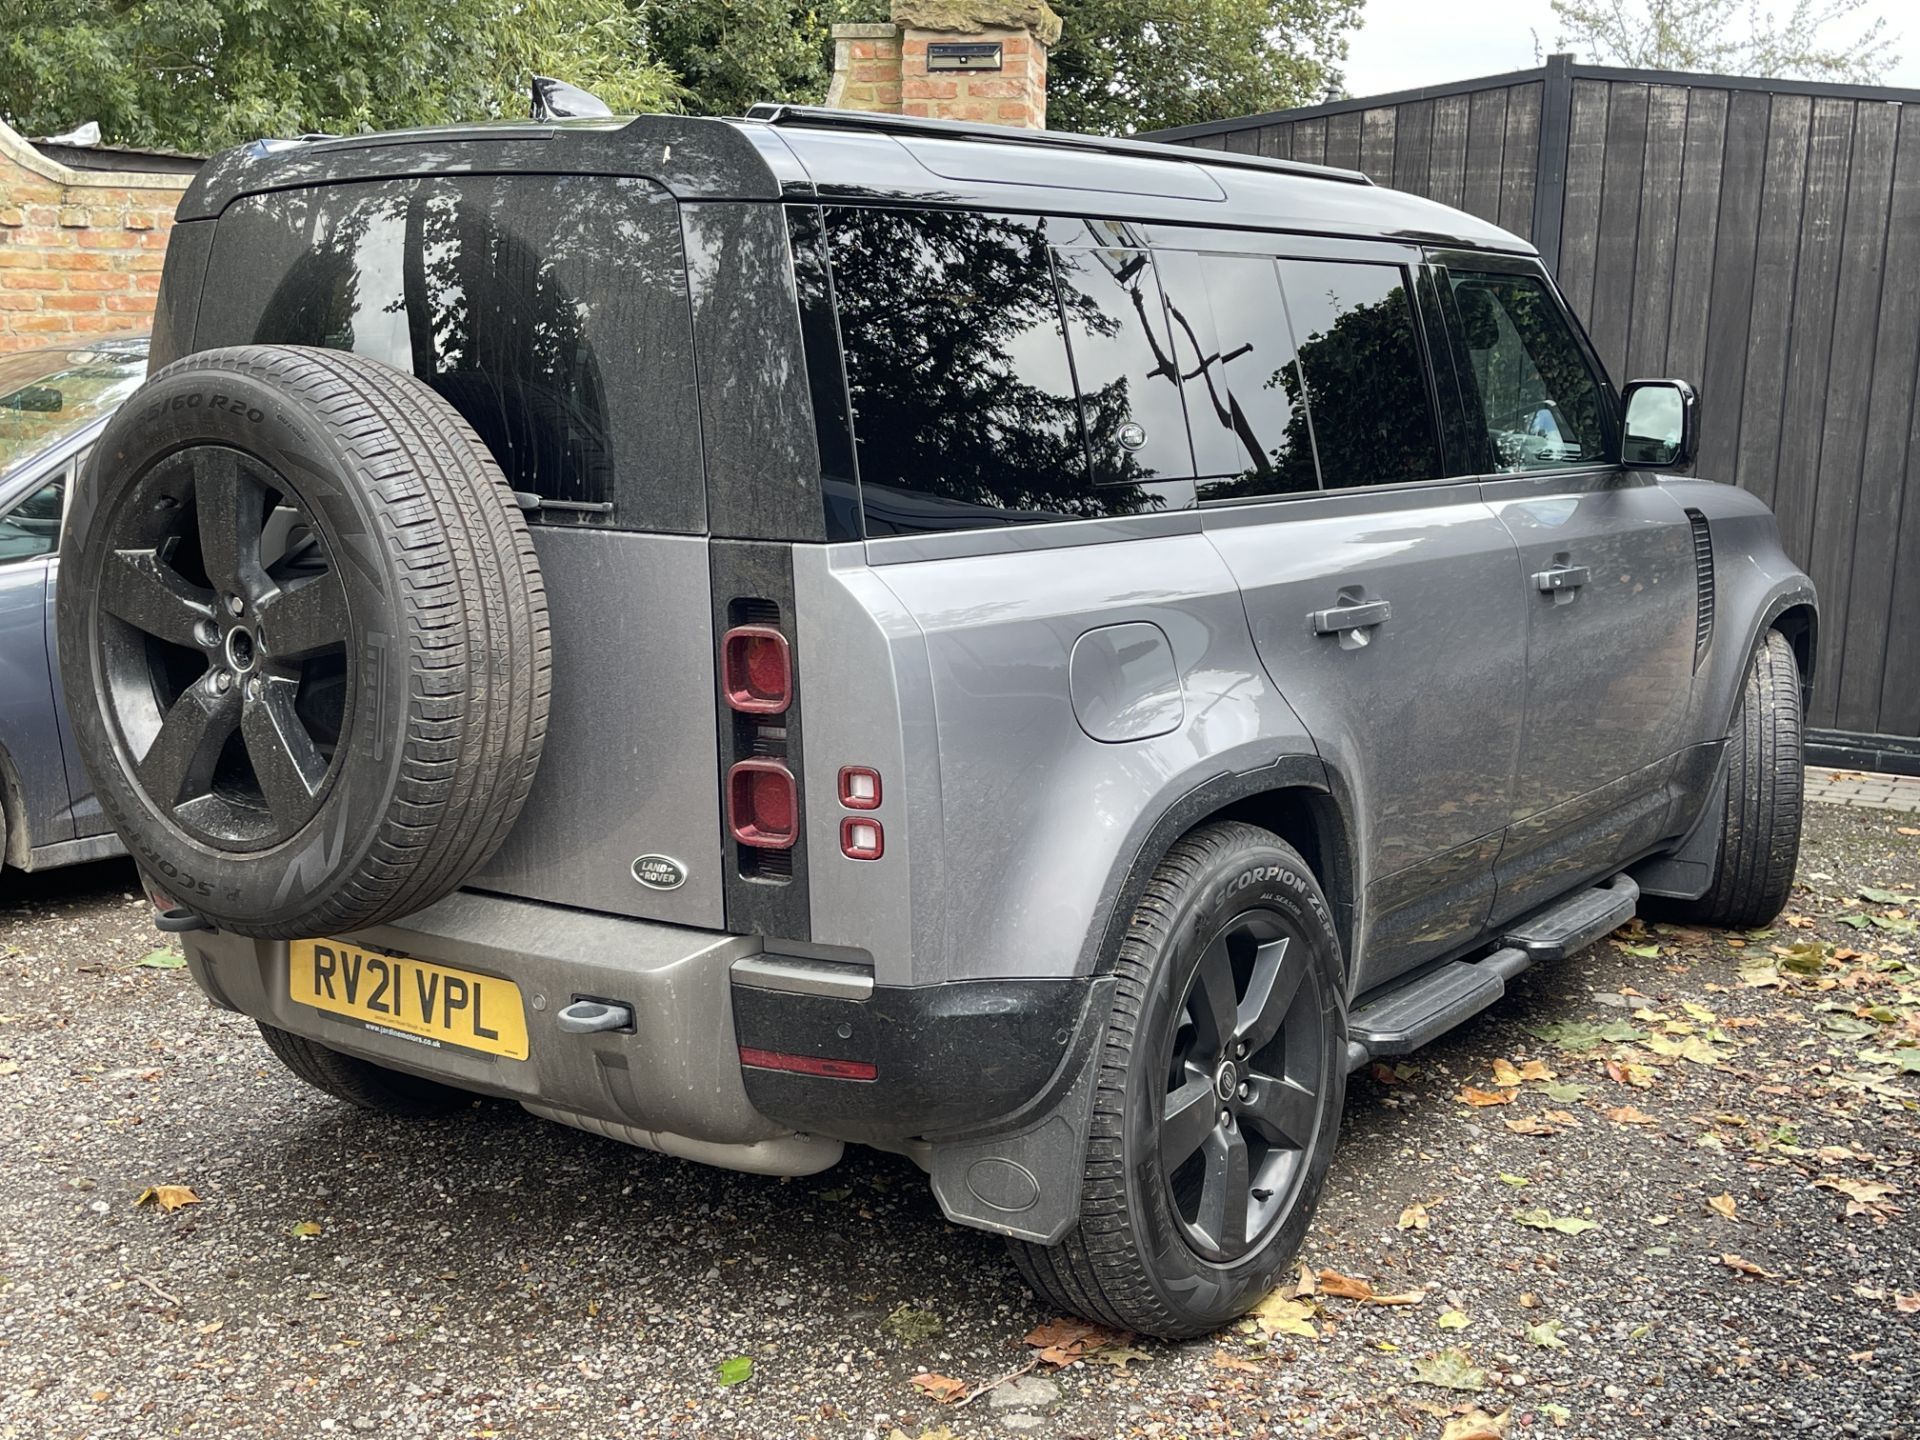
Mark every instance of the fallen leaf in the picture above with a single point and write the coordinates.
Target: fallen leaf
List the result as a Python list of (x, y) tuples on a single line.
[(1529, 1300), (1529, 1125), (304, 1230), (1118, 1356), (910, 1326), (1722, 1205), (1227, 1360), (1307, 1284), (168, 1197), (1477, 1425), (1452, 1320), (1505, 1073), (1567, 1092), (736, 1371), (1451, 1369), (1477, 1097), (1414, 1217), (1514, 1180), (1541, 1219), (1746, 1267), (1630, 1115), (1907, 1304), (943, 1388), (1344, 1287), (1905, 830), (1063, 1341), (1560, 1118), (1284, 1315), (162, 960), (1546, 1335), (1864, 1197)]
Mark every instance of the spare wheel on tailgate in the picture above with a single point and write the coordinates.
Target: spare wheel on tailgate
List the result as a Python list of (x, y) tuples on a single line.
[(304, 639)]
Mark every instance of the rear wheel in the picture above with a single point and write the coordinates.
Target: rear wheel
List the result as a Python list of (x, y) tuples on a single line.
[(1222, 1074), (361, 1082), (1766, 780)]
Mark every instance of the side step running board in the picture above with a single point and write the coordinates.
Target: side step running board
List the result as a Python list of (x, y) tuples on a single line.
[(1408, 1016), (1570, 925)]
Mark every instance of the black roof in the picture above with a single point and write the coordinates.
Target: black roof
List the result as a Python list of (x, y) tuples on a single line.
[(797, 152)]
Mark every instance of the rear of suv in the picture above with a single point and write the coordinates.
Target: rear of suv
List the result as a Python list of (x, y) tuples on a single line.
[(1033, 652)]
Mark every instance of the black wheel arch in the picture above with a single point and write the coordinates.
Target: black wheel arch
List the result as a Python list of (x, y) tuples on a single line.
[(1300, 798)]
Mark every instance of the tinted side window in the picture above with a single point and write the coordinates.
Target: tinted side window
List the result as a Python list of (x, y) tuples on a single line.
[(31, 528), (1243, 389), (551, 311), (1530, 389), (1123, 365), (1366, 381), (964, 407)]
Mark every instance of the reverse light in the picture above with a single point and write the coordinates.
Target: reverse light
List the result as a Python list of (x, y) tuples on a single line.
[(808, 1064), (757, 669), (862, 839), (860, 788), (763, 808)]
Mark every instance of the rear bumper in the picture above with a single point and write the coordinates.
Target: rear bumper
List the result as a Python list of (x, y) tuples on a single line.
[(945, 1058)]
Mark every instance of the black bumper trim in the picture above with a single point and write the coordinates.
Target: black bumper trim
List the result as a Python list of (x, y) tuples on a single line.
[(948, 1057)]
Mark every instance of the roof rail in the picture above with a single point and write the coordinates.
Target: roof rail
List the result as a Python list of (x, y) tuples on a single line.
[(823, 117)]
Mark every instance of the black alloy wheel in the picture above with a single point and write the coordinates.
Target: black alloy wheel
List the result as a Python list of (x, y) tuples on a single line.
[(222, 661), (1217, 1082), (1243, 1089)]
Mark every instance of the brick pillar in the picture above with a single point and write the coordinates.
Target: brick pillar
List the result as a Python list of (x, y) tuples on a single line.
[(899, 69)]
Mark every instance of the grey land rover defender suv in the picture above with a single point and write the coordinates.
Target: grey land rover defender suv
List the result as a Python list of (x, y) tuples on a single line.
[(1034, 652)]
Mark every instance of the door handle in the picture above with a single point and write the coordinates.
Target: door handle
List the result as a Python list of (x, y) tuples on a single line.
[(1351, 622), (1561, 577)]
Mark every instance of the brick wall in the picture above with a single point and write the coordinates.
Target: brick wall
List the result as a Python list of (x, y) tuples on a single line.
[(80, 250), (884, 67)]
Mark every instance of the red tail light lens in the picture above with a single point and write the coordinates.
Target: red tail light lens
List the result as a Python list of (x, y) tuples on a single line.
[(862, 839), (763, 808), (758, 669), (808, 1064), (860, 788)]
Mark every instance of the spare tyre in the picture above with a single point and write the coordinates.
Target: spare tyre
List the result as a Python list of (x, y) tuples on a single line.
[(303, 636)]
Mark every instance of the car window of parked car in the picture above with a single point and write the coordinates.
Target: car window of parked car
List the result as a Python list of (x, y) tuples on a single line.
[(47, 395), (956, 330), (1242, 380), (1363, 371), (31, 527), (1530, 388)]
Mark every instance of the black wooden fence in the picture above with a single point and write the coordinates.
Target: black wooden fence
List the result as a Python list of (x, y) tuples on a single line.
[(1760, 238)]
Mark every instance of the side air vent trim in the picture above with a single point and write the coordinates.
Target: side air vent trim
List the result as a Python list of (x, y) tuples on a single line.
[(1703, 585)]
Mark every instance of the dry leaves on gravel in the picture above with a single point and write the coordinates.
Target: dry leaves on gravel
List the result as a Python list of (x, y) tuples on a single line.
[(1350, 1287), (1746, 1267), (167, 1197), (1063, 1341)]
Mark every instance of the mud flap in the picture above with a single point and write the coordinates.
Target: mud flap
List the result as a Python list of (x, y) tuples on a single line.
[(1023, 1176)]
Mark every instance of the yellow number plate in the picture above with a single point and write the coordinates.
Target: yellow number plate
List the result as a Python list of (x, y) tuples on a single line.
[(433, 1003)]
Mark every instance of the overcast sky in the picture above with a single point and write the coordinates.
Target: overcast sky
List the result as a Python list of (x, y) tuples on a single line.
[(1404, 44)]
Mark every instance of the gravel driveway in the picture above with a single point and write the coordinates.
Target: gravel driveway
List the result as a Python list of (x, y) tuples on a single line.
[(1703, 1222)]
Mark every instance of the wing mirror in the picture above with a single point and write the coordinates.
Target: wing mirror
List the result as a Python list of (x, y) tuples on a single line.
[(1662, 424)]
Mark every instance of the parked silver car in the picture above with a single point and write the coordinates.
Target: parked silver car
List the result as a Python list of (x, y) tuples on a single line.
[(1035, 652), (53, 405)]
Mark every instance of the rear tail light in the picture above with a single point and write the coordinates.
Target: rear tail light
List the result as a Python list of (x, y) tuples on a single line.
[(860, 788), (861, 839), (758, 669), (763, 806), (808, 1064)]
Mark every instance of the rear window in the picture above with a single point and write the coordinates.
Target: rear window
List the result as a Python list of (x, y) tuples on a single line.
[(550, 310)]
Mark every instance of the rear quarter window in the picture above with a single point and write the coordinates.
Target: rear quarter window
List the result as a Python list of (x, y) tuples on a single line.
[(961, 332), (551, 311)]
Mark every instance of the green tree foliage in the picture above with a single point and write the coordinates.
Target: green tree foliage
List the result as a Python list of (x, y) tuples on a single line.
[(1729, 37), (199, 74), (731, 54), (1122, 66)]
